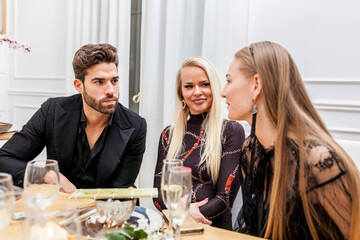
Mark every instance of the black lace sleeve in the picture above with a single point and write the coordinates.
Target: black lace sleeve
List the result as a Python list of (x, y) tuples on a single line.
[(327, 185)]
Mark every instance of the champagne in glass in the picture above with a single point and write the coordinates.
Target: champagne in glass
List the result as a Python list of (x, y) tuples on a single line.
[(7, 199), (179, 195), (38, 193), (167, 164), (174, 192)]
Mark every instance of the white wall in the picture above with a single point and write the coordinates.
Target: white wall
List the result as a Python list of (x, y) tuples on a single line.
[(27, 80), (33, 77), (323, 40)]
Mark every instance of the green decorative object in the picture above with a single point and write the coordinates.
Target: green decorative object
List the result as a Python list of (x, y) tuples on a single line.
[(127, 233)]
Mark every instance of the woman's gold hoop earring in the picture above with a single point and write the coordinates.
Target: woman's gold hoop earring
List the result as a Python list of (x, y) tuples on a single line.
[(184, 104)]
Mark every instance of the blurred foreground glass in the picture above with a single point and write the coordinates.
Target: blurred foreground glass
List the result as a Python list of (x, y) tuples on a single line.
[(167, 164), (47, 225), (37, 193), (179, 196), (7, 199), (6, 183)]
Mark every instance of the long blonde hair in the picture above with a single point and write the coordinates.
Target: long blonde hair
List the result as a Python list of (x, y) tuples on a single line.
[(290, 110), (212, 124)]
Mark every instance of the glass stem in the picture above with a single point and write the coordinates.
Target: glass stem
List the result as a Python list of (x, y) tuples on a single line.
[(177, 231), (171, 230)]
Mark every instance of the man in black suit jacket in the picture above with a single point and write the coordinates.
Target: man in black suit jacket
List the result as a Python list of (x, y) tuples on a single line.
[(96, 141)]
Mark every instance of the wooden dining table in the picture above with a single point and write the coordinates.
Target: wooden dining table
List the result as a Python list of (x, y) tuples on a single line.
[(6, 135), (62, 201)]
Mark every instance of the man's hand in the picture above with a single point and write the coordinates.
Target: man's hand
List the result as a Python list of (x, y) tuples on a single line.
[(196, 214), (65, 185)]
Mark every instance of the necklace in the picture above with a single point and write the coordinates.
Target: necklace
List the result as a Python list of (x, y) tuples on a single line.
[(195, 145), (192, 149)]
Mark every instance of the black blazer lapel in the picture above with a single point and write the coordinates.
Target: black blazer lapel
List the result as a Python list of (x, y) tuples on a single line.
[(113, 150), (66, 129), (115, 144)]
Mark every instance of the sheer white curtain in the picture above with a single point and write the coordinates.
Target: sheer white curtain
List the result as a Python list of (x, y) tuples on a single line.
[(100, 21), (171, 32)]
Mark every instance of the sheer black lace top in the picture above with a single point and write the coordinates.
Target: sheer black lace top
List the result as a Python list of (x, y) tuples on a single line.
[(326, 187)]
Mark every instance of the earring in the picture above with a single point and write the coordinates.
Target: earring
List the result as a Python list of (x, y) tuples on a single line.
[(253, 123), (254, 110), (184, 104)]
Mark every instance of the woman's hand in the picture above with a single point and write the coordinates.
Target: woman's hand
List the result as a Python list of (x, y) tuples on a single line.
[(194, 211)]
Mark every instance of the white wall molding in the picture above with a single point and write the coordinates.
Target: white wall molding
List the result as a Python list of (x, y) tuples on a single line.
[(61, 78), (50, 93), (339, 103), (338, 107), (345, 130), (17, 106), (331, 80), (21, 112), (47, 56), (3, 99)]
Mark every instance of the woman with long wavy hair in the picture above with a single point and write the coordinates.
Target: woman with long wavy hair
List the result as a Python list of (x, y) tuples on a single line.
[(297, 182), (205, 142)]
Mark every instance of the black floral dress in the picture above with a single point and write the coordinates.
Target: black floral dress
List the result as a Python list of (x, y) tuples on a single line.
[(325, 186)]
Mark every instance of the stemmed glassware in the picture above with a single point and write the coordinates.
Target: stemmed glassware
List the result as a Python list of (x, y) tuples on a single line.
[(37, 193), (7, 199), (61, 224), (167, 164), (41, 186), (179, 195)]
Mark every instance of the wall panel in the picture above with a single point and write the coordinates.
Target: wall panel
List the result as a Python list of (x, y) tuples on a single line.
[(2, 93), (28, 84), (40, 74), (23, 106), (338, 103), (43, 24)]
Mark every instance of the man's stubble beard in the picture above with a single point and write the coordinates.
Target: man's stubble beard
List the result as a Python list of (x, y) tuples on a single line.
[(96, 104)]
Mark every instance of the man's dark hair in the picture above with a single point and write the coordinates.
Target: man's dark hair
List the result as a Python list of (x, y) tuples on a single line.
[(91, 54)]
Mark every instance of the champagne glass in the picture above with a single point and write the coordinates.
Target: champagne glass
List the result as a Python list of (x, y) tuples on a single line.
[(167, 164), (38, 193), (179, 195), (7, 199)]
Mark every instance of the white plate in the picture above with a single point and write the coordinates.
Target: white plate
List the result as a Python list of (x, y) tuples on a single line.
[(92, 229)]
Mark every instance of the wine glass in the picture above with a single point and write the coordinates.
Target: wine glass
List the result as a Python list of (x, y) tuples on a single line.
[(7, 199), (38, 193), (179, 195), (167, 164), (61, 224), (6, 183)]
